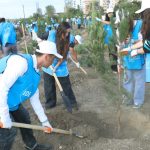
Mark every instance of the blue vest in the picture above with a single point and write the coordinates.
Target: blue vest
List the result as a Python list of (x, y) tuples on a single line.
[(147, 67), (79, 21), (62, 70), (72, 39), (25, 86), (109, 33), (134, 63), (8, 34), (35, 28), (137, 62), (52, 36)]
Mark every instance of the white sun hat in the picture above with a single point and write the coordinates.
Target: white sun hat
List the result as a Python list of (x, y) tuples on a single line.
[(109, 10), (145, 5), (79, 39), (47, 47)]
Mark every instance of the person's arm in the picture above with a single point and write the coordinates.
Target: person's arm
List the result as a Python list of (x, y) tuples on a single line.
[(74, 56), (138, 45), (103, 21), (38, 109), (8, 78)]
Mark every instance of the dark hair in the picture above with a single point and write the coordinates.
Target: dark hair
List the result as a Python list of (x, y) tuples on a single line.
[(107, 18), (146, 24), (38, 54), (2, 20), (62, 42)]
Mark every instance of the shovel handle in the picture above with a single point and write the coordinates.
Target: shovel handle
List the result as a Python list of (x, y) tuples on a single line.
[(79, 67), (57, 81), (36, 127), (24, 38), (83, 70)]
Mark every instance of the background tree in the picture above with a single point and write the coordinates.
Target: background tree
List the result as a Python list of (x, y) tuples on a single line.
[(50, 10)]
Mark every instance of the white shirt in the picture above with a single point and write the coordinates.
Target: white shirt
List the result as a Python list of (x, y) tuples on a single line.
[(16, 67)]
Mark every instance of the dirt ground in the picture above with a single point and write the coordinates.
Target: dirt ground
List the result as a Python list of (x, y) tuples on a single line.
[(96, 119)]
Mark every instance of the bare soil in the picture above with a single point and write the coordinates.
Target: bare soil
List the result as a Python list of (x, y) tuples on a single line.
[(96, 119)]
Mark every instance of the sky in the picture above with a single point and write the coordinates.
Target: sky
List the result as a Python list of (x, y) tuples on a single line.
[(11, 9)]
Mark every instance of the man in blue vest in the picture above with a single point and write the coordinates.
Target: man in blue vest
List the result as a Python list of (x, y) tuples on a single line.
[(16, 86), (7, 37)]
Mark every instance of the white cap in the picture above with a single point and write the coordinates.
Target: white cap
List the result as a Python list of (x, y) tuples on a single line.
[(109, 10), (145, 5), (79, 39), (47, 47)]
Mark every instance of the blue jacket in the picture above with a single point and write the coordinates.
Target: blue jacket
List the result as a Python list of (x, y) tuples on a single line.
[(25, 86)]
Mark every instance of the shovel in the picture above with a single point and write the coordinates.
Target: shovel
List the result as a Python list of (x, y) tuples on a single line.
[(79, 67), (41, 128), (64, 97)]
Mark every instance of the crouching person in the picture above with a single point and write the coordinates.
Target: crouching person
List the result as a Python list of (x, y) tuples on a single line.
[(19, 80)]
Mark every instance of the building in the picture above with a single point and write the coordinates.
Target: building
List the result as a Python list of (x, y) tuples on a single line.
[(108, 3), (86, 6), (77, 4)]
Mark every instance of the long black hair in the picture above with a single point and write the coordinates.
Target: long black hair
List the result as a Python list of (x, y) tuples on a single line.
[(62, 41), (146, 24)]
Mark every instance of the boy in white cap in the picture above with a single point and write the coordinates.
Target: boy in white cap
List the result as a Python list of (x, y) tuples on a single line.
[(16, 86)]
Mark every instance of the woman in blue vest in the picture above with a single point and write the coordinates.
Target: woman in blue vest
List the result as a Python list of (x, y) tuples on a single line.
[(134, 81), (62, 39), (108, 37), (18, 85)]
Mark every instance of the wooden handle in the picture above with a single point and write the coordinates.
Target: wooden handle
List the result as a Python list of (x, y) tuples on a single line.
[(79, 67), (36, 127), (83, 70), (24, 38), (57, 81)]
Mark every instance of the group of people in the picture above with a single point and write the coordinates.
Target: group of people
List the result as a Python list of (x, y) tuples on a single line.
[(18, 84)]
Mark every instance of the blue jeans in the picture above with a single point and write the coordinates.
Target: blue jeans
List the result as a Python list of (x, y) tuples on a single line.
[(7, 136), (134, 83)]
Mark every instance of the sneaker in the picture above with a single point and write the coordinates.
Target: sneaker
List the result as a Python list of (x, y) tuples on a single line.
[(137, 106)]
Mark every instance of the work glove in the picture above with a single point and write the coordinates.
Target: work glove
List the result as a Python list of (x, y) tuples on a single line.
[(125, 51), (98, 19), (78, 65), (5, 122), (48, 127), (134, 53)]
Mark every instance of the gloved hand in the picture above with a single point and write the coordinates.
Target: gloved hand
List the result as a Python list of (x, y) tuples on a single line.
[(98, 19), (78, 65), (48, 127), (124, 51), (134, 53), (6, 123)]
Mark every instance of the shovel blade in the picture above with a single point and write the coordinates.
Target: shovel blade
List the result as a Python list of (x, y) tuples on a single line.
[(66, 102)]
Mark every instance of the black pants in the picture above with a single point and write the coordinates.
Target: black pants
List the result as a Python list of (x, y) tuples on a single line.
[(50, 89), (7, 135)]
